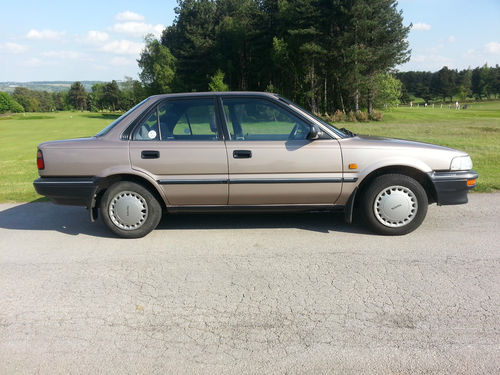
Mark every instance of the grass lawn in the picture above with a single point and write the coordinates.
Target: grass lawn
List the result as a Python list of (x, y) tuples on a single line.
[(19, 137), (475, 130)]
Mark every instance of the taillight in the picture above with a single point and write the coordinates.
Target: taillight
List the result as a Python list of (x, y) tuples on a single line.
[(39, 160)]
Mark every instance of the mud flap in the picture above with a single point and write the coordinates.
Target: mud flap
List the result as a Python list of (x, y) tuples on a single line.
[(349, 208), (93, 210)]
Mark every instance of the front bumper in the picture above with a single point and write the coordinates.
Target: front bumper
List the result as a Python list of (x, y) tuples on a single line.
[(452, 187), (74, 191)]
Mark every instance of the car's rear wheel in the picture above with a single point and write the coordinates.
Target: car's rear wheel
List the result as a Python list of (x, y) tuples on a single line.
[(130, 210), (395, 204)]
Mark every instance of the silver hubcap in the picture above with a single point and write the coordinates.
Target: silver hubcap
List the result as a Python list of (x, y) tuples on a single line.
[(128, 210), (395, 206)]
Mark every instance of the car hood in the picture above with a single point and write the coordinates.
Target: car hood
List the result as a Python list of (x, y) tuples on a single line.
[(376, 152), (368, 141), (382, 142)]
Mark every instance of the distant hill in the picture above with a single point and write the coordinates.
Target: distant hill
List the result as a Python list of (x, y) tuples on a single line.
[(50, 86)]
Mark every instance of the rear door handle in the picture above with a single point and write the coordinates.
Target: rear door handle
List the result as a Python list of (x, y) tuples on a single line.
[(150, 154), (242, 154)]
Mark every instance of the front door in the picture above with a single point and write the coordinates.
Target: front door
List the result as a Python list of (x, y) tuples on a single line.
[(271, 161), (180, 144)]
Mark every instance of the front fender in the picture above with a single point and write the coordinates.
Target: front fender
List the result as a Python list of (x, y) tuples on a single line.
[(392, 162), (365, 171)]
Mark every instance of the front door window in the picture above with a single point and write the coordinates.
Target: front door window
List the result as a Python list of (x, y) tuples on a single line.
[(261, 120)]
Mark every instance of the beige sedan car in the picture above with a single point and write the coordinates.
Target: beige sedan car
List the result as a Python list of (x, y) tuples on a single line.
[(245, 151)]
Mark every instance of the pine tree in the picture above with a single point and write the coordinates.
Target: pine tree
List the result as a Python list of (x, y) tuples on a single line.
[(77, 96)]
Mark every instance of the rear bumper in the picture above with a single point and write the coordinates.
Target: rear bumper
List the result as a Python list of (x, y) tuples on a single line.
[(451, 187), (74, 191)]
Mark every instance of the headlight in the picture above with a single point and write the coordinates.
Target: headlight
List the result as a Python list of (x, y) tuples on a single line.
[(461, 163)]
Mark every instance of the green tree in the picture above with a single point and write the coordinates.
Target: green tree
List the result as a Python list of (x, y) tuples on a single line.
[(158, 67), (217, 82), (131, 93), (464, 84), (237, 40), (444, 83), (96, 95), (139, 92), (324, 54), (27, 99), (111, 95), (9, 104), (191, 39), (495, 84), (77, 96), (60, 100), (376, 40), (480, 82), (387, 90)]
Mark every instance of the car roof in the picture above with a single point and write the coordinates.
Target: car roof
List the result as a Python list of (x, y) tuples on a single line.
[(217, 93)]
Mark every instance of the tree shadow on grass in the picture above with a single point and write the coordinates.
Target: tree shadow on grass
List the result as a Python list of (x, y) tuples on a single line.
[(44, 216)]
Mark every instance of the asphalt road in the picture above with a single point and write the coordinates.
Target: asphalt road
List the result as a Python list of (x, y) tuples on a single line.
[(250, 294)]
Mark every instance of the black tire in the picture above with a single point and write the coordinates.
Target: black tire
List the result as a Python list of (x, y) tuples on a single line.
[(130, 210), (394, 204)]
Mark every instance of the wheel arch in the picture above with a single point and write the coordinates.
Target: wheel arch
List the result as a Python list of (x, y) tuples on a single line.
[(106, 182), (418, 175)]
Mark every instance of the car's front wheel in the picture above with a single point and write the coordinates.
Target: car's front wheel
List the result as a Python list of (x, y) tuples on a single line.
[(395, 204), (130, 210)]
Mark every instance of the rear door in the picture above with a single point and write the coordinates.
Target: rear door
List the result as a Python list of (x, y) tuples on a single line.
[(271, 161), (180, 144)]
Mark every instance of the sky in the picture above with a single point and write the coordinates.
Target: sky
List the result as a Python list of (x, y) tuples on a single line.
[(101, 40)]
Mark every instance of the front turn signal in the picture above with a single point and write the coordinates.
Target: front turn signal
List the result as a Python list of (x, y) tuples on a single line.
[(471, 182)]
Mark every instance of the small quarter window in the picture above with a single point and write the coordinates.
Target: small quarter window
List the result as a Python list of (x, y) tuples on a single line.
[(148, 130)]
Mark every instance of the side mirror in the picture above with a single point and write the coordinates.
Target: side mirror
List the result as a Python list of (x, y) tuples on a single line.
[(314, 133)]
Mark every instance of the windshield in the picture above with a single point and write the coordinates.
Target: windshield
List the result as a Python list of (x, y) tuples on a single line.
[(331, 127), (119, 119)]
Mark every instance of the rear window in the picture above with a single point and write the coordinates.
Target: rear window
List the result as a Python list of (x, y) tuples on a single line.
[(119, 119)]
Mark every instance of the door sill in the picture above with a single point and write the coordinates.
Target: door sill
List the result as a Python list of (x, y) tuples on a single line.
[(255, 208)]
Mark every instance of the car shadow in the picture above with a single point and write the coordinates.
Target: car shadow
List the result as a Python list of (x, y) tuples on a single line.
[(45, 216), (322, 222)]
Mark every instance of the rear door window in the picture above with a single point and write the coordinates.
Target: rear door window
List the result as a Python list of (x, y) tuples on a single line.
[(178, 120)]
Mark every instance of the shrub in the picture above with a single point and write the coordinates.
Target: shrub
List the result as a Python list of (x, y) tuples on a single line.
[(362, 116), (351, 117), (338, 116), (376, 116)]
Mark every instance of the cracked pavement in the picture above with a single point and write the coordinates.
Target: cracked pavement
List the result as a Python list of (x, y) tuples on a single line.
[(250, 294)]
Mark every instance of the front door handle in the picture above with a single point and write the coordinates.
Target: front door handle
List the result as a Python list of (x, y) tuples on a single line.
[(150, 154), (242, 154)]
